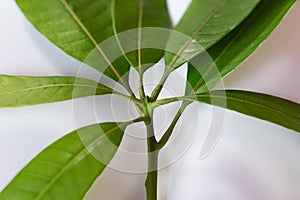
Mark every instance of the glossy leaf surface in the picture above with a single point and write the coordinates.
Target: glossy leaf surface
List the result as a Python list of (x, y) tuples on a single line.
[(273, 109), (18, 91), (67, 168), (206, 22), (77, 27), (237, 46), (137, 14)]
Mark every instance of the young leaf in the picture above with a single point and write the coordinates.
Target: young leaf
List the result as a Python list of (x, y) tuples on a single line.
[(18, 91), (238, 45), (77, 27), (206, 22), (273, 109), (67, 168), (136, 14)]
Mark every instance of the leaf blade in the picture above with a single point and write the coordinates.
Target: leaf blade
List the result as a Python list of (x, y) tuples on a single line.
[(70, 24), (66, 162), (138, 14), (238, 45), (266, 107), (18, 91), (206, 22)]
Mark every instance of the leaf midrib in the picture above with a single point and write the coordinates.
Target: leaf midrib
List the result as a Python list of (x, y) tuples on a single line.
[(219, 7), (78, 157), (223, 52), (244, 101), (53, 86), (90, 36), (139, 25)]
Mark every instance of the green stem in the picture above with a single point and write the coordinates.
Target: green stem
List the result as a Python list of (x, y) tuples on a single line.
[(161, 102), (163, 141), (151, 181), (130, 98), (160, 85), (141, 86)]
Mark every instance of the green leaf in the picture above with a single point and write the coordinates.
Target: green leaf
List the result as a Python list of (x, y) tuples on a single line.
[(238, 45), (67, 168), (206, 22), (77, 27), (30, 90), (273, 109), (137, 14)]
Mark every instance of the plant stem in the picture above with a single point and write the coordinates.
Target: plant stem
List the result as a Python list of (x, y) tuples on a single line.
[(159, 86), (165, 138), (151, 181), (141, 86)]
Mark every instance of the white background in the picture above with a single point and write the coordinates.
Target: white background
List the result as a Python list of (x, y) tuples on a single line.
[(253, 159)]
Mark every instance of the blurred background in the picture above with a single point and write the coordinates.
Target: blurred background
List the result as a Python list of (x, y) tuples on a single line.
[(253, 160)]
